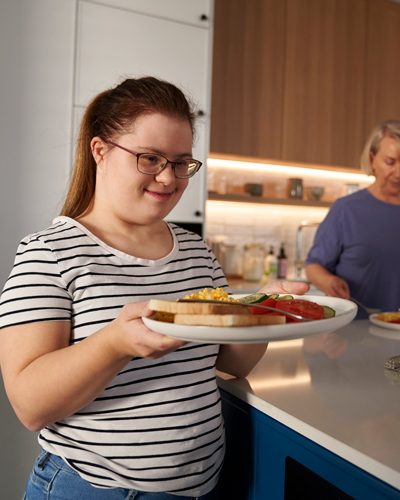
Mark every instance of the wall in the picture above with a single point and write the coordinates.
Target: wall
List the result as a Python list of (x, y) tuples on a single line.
[(36, 67), (240, 223)]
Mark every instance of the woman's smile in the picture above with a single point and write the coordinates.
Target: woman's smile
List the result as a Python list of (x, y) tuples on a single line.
[(160, 195)]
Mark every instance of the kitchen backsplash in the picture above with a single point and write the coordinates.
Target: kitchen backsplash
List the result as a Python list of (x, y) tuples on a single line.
[(240, 223)]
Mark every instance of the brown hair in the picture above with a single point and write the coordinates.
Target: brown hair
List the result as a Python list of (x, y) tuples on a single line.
[(389, 128), (112, 113)]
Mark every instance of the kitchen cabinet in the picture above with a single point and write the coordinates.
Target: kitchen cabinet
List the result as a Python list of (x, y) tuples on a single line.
[(196, 12), (324, 79), (303, 80), (314, 422), (382, 76), (247, 83), (269, 460), (119, 39)]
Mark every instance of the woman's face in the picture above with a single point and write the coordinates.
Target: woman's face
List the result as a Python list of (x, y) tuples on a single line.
[(386, 167), (125, 193)]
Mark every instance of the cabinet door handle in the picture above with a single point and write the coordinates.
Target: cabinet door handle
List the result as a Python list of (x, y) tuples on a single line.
[(203, 17), (197, 213)]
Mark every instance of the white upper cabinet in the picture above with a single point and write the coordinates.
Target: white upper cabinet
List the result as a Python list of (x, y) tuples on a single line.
[(198, 12), (116, 41)]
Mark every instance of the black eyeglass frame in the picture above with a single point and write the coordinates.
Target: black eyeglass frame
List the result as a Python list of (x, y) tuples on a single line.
[(172, 163)]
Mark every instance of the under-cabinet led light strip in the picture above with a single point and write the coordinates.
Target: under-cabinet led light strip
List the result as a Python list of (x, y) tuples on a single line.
[(291, 171)]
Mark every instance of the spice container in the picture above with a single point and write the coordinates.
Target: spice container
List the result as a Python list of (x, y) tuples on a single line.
[(253, 261), (295, 188), (231, 259)]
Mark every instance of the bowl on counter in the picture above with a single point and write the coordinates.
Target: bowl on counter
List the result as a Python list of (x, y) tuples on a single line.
[(315, 193)]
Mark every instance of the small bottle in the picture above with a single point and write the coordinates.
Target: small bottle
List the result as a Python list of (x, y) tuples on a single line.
[(282, 262), (271, 265)]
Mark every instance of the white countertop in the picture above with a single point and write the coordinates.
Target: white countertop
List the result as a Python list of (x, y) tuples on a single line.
[(240, 286), (334, 389)]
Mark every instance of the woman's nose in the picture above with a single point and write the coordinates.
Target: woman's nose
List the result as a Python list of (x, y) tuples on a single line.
[(167, 174)]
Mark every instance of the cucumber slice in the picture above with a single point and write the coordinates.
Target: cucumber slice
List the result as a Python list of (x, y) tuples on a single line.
[(328, 312), (273, 296), (254, 298), (285, 297)]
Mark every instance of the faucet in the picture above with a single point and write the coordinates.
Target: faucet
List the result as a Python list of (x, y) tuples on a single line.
[(299, 262)]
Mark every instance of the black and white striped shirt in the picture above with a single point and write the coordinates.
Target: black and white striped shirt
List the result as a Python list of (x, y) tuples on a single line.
[(158, 425)]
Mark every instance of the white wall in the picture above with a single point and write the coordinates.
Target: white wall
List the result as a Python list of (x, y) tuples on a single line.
[(35, 110), (37, 39)]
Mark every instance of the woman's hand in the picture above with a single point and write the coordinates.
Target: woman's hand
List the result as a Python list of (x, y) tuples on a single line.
[(329, 283), (337, 287), (78, 372), (130, 336), (289, 287)]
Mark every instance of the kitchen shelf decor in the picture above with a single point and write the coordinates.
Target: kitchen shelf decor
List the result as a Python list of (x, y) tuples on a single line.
[(245, 198)]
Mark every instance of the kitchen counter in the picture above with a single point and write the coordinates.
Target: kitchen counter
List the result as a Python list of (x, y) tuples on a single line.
[(334, 390), (240, 286)]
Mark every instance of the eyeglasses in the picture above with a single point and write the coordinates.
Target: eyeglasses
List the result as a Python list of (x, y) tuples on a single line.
[(153, 164)]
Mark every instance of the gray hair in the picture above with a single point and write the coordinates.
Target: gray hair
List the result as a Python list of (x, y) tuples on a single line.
[(389, 128)]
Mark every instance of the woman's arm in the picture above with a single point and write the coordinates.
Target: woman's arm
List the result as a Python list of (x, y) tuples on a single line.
[(331, 285), (47, 379), (239, 359)]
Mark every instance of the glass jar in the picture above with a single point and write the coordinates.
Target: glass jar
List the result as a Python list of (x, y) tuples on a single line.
[(253, 261)]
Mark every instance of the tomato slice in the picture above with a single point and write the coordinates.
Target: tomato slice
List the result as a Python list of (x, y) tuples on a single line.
[(305, 308), (269, 302), (395, 321)]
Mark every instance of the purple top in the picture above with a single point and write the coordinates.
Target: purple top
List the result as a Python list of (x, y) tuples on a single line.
[(359, 240)]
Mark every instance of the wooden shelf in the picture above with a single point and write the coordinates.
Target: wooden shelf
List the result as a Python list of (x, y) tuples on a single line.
[(245, 198)]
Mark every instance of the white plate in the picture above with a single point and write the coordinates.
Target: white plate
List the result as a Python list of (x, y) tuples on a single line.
[(383, 324), (385, 333), (345, 312)]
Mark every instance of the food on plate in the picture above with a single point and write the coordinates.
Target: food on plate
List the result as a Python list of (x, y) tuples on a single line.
[(304, 308), (224, 312), (254, 298), (228, 319), (213, 294), (218, 314), (390, 317), (301, 307), (196, 307)]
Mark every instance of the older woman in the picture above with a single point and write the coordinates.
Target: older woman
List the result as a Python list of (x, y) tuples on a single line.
[(356, 248)]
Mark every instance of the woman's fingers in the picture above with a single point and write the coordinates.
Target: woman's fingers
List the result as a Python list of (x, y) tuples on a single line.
[(132, 337), (290, 287)]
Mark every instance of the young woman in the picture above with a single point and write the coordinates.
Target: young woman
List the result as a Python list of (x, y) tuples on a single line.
[(123, 412)]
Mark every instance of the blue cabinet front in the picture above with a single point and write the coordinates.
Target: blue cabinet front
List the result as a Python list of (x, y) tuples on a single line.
[(262, 454)]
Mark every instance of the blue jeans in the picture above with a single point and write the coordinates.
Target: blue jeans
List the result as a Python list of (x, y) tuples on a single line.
[(53, 479)]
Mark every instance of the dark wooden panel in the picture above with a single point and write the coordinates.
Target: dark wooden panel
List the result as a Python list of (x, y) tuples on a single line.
[(246, 110), (324, 81)]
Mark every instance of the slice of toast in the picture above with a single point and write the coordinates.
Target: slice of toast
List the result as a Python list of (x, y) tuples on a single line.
[(220, 307), (228, 319)]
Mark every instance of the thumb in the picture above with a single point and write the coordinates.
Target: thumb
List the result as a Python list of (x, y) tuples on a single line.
[(135, 310)]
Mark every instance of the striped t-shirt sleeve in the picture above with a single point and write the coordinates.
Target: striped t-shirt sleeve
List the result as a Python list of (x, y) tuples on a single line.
[(36, 285)]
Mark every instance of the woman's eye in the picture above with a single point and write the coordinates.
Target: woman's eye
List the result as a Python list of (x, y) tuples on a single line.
[(182, 163), (151, 158)]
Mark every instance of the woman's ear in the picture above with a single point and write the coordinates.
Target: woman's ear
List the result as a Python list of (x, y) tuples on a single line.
[(98, 148), (371, 162)]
